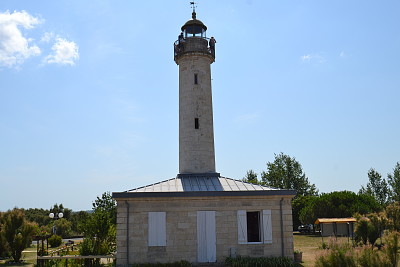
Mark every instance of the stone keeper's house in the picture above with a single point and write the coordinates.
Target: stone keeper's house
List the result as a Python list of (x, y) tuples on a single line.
[(200, 216)]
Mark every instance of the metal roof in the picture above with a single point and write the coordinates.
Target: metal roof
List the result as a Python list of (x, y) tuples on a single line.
[(200, 183)]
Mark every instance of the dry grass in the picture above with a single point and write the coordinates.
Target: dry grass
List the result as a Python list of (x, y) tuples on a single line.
[(310, 246)]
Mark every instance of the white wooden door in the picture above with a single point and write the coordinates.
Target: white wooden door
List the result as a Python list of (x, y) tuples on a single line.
[(206, 238)]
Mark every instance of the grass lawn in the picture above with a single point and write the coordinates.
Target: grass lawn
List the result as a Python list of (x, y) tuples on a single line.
[(310, 246), (28, 255)]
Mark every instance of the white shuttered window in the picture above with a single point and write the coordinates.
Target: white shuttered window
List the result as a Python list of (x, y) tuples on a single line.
[(157, 229), (242, 227), (267, 226), (265, 229)]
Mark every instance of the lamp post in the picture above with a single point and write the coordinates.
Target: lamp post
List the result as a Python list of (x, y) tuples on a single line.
[(55, 216)]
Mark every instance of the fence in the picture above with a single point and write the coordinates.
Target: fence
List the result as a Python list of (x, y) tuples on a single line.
[(41, 259)]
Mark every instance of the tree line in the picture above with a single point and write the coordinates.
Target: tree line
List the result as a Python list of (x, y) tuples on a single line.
[(18, 227), (285, 172)]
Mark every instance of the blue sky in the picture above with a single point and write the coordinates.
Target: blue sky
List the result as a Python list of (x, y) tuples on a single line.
[(89, 93)]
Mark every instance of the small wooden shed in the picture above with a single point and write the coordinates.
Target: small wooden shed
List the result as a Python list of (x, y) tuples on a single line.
[(336, 226)]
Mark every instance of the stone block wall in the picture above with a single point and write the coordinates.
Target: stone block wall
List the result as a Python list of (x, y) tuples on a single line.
[(196, 146), (181, 227)]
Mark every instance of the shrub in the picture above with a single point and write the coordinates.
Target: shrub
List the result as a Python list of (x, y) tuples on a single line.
[(171, 264), (55, 241), (17, 232), (368, 257), (392, 248), (324, 245), (339, 254), (259, 262), (86, 247)]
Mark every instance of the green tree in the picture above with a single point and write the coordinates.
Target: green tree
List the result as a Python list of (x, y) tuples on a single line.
[(60, 208), (394, 182), (377, 223), (377, 187), (17, 232), (361, 229), (39, 216), (4, 250), (107, 204), (63, 227), (298, 204), (286, 173), (338, 204), (76, 219), (251, 177), (100, 227)]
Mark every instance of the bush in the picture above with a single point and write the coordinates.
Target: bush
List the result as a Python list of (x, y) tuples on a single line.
[(338, 255), (86, 247), (172, 264), (374, 258), (259, 262), (343, 255), (55, 241), (392, 248), (17, 232)]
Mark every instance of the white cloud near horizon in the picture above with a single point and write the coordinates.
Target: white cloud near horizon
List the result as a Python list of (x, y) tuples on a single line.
[(15, 48), (64, 52)]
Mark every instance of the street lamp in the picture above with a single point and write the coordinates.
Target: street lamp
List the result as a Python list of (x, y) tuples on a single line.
[(55, 217)]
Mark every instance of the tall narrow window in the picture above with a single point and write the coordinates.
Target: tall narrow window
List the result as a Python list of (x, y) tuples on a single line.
[(195, 78), (196, 123), (253, 227)]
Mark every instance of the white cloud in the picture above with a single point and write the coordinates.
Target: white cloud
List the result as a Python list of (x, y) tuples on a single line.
[(47, 37), (64, 52), (314, 57), (342, 54), (15, 48), (306, 58)]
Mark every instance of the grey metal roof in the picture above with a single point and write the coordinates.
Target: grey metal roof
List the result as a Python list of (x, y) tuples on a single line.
[(200, 184)]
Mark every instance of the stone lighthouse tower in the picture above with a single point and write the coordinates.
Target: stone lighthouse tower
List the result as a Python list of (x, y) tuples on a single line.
[(194, 53), (200, 216)]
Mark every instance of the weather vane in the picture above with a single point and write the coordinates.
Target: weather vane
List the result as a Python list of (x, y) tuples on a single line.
[(193, 4)]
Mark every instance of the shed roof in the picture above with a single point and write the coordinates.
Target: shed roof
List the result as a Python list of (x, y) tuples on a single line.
[(201, 185), (334, 220)]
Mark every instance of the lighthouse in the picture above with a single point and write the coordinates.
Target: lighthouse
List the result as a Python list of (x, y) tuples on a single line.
[(200, 216), (194, 53)]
